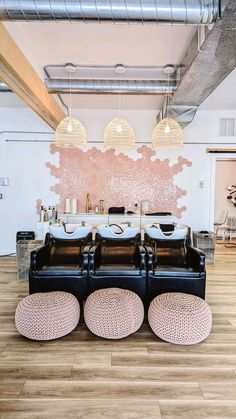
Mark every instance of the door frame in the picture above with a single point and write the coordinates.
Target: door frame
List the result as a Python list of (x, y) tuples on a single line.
[(214, 158)]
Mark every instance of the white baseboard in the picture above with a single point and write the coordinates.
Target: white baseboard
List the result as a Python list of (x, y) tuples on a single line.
[(8, 252)]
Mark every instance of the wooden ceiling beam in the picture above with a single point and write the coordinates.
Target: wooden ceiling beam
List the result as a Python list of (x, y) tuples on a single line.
[(17, 72)]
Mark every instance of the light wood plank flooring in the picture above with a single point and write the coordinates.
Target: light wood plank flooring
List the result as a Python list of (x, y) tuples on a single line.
[(81, 376)]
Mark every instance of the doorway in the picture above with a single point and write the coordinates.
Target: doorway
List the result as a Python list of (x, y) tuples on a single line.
[(225, 176)]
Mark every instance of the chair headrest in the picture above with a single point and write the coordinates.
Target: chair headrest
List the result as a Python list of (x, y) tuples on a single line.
[(58, 232), (117, 231), (116, 210), (159, 214), (155, 232)]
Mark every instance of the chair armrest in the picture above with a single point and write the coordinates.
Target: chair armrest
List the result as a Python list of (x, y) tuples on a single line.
[(39, 257), (85, 257), (142, 258), (196, 259), (94, 253), (150, 258)]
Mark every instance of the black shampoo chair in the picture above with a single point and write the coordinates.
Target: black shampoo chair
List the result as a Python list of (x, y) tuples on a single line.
[(61, 265), (118, 260), (173, 265)]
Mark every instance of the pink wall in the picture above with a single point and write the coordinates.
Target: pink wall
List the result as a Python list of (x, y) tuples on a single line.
[(117, 179)]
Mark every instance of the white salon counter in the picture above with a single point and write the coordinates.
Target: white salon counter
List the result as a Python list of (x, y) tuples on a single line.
[(94, 219)]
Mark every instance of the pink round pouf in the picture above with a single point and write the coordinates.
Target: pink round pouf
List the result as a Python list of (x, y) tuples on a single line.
[(47, 315), (179, 318), (113, 313)]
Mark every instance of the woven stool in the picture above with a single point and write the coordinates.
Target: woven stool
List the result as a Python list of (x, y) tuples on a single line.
[(47, 315), (113, 313), (180, 318)]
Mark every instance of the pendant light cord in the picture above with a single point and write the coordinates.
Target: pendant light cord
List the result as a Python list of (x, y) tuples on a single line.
[(70, 96), (119, 98), (168, 97)]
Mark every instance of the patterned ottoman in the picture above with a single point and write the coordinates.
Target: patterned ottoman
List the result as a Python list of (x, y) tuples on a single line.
[(180, 318), (47, 315), (113, 313)]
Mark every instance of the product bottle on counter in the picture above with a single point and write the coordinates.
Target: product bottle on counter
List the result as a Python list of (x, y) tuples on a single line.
[(49, 213), (42, 214), (54, 213), (101, 209), (38, 215), (45, 218), (88, 203)]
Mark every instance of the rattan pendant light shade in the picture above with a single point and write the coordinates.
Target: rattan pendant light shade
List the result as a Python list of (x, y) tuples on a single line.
[(70, 133), (119, 134), (167, 134)]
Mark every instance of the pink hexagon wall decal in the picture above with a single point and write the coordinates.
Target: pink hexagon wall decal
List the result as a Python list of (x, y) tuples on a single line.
[(118, 179)]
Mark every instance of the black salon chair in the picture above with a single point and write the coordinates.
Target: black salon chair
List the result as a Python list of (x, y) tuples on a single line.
[(118, 260), (61, 265), (173, 265)]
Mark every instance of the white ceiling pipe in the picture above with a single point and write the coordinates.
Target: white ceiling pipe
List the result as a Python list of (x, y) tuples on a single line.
[(193, 12), (130, 87)]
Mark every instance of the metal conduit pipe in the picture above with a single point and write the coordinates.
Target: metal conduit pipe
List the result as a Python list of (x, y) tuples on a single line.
[(129, 87), (193, 12), (4, 87)]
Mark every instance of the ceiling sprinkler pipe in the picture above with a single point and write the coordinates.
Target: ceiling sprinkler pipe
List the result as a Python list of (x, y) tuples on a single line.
[(128, 87)]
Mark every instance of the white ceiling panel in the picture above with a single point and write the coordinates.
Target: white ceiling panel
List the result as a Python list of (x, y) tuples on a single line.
[(112, 101), (108, 44), (104, 44), (58, 43)]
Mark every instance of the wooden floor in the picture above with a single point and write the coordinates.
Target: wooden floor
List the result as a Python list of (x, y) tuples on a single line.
[(81, 376)]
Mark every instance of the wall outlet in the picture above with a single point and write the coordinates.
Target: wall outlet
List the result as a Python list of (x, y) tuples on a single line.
[(4, 181), (202, 183)]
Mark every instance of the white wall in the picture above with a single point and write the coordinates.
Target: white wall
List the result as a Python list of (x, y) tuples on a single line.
[(205, 127), (24, 164)]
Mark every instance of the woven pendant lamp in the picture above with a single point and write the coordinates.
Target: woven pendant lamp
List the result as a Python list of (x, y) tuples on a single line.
[(167, 134), (119, 134), (70, 133)]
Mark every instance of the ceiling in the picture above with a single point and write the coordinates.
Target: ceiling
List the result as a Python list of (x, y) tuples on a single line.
[(109, 44), (223, 97), (104, 44)]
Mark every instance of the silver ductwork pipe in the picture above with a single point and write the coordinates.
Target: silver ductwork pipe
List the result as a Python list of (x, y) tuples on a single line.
[(4, 87), (129, 87), (193, 12)]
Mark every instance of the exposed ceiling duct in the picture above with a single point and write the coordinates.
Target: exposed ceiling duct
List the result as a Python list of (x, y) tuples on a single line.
[(205, 66), (130, 87), (193, 12), (184, 115)]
